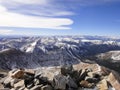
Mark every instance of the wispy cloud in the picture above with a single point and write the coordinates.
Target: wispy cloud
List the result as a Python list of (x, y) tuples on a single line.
[(12, 19), (37, 7)]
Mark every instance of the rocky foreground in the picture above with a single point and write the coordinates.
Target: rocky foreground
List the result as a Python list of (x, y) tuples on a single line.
[(78, 77)]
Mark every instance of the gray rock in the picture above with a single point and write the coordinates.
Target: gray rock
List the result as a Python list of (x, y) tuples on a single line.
[(19, 84), (22, 88), (71, 83), (1, 86), (5, 89), (86, 84), (59, 82), (38, 73), (91, 80), (28, 80), (38, 87), (46, 87), (36, 82), (75, 75), (83, 75), (30, 86), (7, 82), (14, 81), (43, 80), (66, 69)]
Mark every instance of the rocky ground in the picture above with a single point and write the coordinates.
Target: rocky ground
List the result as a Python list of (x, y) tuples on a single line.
[(78, 77)]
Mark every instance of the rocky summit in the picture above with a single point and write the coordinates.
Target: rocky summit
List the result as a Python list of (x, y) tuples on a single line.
[(81, 76)]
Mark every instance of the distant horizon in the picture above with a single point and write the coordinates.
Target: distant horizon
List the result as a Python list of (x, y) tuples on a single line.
[(59, 35)]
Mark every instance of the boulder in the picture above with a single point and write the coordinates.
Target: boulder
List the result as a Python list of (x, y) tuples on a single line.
[(46, 87), (30, 86), (59, 82), (2, 75), (36, 81), (103, 85), (114, 80), (7, 82), (3, 79), (66, 69), (92, 80), (84, 73), (86, 84), (90, 74), (19, 84), (37, 87), (30, 71), (5, 89), (26, 89), (71, 83), (28, 80), (38, 73), (1, 86), (43, 80), (17, 74), (97, 75), (75, 75), (105, 71), (12, 71), (22, 88), (44, 76), (13, 81)]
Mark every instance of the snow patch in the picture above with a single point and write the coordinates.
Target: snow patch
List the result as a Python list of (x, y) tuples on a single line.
[(32, 46)]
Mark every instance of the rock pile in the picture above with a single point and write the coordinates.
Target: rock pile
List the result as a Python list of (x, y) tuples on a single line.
[(66, 79)]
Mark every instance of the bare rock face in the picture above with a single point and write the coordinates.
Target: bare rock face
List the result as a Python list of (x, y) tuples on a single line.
[(114, 80), (103, 85)]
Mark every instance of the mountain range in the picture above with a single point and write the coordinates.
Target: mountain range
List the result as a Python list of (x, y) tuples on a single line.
[(44, 51)]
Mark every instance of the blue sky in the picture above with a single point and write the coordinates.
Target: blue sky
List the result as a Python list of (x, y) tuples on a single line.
[(60, 17)]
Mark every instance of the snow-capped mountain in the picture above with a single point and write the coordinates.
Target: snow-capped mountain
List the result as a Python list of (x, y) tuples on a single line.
[(33, 52)]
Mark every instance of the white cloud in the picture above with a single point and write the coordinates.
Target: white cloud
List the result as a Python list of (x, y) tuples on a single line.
[(51, 13), (2, 9), (30, 1), (18, 2), (6, 32), (9, 19), (37, 7)]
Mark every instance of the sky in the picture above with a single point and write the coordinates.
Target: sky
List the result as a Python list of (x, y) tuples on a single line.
[(60, 17)]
